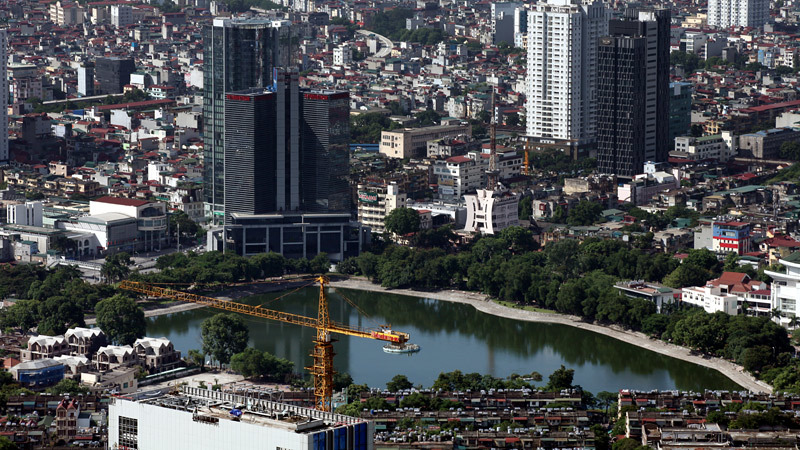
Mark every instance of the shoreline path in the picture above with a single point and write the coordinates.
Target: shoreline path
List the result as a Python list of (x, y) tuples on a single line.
[(483, 304)]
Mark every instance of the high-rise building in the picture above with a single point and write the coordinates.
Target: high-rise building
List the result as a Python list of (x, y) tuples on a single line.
[(737, 13), (562, 53), (503, 21), (262, 148), (3, 96), (325, 139), (680, 109), (633, 93), (238, 54), (113, 74), (251, 157), (121, 15), (86, 80)]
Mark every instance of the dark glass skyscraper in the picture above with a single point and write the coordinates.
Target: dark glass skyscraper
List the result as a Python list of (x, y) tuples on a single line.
[(286, 150), (238, 54), (325, 137), (621, 100), (249, 135), (633, 92), (113, 74)]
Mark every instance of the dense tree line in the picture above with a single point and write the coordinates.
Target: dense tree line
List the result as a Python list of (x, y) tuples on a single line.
[(367, 128), (52, 299), (392, 24), (578, 278), (219, 267)]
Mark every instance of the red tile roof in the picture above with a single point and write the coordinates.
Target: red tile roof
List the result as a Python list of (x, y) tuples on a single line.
[(122, 201)]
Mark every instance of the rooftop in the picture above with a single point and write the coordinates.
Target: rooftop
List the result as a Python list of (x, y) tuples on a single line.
[(215, 406)]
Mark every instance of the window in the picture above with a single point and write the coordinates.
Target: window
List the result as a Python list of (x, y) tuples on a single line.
[(128, 432)]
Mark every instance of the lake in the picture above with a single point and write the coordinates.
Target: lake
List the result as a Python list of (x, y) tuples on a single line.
[(452, 336)]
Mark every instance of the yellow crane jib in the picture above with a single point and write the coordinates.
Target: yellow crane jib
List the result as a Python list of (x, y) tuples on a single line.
[(322, 355)]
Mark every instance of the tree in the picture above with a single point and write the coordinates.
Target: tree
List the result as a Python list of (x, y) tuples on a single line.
[(181, 221), (23, 314), (607, 398), (790, 150), (560, 379), (399, 383), (6, 444), (121, 319), (427, 118), (59, 314), (584, 213), (402, 221), (250, 363), (271, 264), (224, 335), (68, 386), (116, 266), (197, 358), (320, 264)]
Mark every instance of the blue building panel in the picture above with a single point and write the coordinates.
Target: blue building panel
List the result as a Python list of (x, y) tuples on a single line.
[(42, 377)]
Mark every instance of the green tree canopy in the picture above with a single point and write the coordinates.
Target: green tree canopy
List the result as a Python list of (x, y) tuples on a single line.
[(584, 213), (402, 221), (121, 319), (224, 335), (399, 383)]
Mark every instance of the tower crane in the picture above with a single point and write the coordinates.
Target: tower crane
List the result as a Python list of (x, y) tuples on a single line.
[(322, 355)]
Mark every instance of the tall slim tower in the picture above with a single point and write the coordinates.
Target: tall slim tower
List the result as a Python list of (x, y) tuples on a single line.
[(238, 54), (325, 150), (633, 92), (561, 78), (3, 96)]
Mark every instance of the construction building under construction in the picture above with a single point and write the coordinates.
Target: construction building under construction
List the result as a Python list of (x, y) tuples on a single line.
[(202, 418)]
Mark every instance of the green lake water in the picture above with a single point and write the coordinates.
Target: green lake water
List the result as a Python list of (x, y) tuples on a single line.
[(452, 336)]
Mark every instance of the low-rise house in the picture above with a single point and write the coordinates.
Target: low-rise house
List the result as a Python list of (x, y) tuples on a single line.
[(156, 354), (113, 356), (653, 292), (728, 294), (42, 346), (85, 341)]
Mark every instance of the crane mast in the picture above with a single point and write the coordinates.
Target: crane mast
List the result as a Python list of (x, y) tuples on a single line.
[(322, 355)]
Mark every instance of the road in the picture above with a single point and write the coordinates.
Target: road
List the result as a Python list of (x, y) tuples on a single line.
[(386, 43)]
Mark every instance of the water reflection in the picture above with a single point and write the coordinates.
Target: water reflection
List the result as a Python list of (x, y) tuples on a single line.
[(453, 336)]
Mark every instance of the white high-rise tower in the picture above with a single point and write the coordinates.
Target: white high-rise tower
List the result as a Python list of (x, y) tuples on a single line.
[(3, 96), (737, 13), (562, 64)]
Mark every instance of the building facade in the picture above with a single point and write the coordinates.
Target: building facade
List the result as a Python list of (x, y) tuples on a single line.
[(3, 96), (562, 69), (490, 211), (325, 151), (294, 235), (113, 74), (376, 201), (633, 92), (717, 147), (680, 109), (200, 418), (86, 80), (785, 295), (238, 54), (738, 13), (413, 142), (731, 237)]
